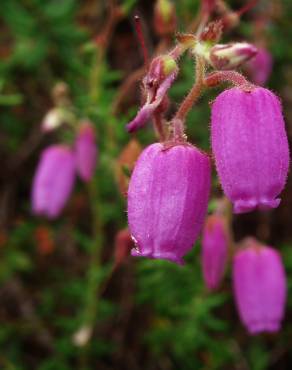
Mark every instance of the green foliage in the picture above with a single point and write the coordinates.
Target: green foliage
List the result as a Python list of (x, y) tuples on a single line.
[(185, 320)]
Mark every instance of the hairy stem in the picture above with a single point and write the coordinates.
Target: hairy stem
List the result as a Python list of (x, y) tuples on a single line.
[(195, 92), (237, 79), (158, 126)]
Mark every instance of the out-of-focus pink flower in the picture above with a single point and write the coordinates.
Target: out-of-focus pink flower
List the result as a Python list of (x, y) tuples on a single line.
[(53, 181), (167, 200), (214, 250), (260, 67), (86, 151), (250, 146), (260, 289)]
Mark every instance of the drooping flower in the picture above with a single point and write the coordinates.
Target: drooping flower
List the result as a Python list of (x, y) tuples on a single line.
[(259, 284), (86, 151), (250, 146), (53, 181), (214, 250), (162, 73), (167, 200), (260, 67)]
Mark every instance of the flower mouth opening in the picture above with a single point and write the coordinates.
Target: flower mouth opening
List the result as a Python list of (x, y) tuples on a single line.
[(135, 252), (244, 206)]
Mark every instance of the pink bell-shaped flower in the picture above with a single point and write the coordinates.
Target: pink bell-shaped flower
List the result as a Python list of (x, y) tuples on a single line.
[(167, 200), (86, 151), (250, 146), (53, 181), (214, 250), (259, 285)]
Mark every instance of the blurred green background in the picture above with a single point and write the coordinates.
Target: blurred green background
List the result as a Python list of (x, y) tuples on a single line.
[(64, 304)]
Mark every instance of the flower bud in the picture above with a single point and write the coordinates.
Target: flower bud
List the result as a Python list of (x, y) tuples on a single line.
[(250, 146), (231, 56), (160, 68), (259, 285), (162, 73), (164, 17), (167, 200), (214, 250), (86, 151), (259, 67), (53, 181)]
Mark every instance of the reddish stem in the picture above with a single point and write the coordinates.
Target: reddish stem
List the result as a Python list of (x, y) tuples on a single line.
[(208, 6), (234, 77), (158, 126), (141, 38), (195, 92), (246, 7)]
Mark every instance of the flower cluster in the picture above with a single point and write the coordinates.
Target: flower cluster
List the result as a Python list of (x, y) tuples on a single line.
[(170, 185)]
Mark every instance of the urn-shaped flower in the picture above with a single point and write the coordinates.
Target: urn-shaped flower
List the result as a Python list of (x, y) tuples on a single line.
[(259, 285), (167, 200), (86, 151), (53, 181), (214, 250), (250, 146)]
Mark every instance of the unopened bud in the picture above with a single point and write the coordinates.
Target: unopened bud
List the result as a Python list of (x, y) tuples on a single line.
[(161, 67), (168, 64), (212, 32), (60, 94), (186, 40), (231, 55), (164, 17)]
